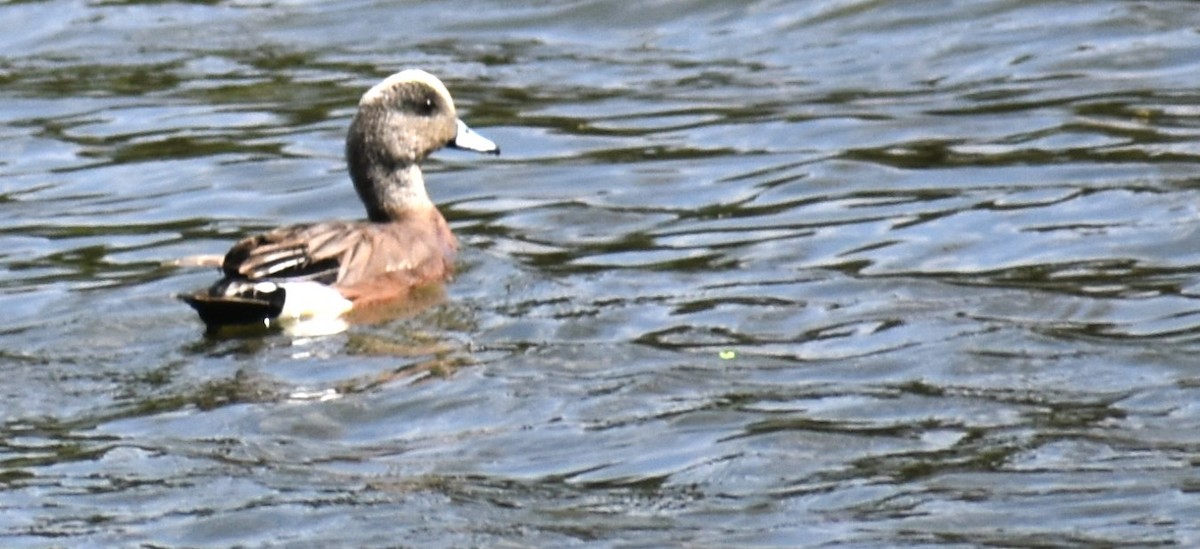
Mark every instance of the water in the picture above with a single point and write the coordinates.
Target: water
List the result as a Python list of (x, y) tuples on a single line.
[(770, 274)]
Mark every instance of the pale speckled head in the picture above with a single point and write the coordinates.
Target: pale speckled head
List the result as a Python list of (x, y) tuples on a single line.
[(414, 113), (400, 121)]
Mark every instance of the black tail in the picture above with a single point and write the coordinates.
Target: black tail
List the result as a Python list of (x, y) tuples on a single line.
[(217, 308)]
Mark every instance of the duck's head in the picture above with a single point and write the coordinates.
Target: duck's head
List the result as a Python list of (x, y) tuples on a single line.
[(409, 115), (400, 121)]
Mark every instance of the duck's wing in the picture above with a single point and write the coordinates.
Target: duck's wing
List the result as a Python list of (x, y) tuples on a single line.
[(298, 252), (346, 254)]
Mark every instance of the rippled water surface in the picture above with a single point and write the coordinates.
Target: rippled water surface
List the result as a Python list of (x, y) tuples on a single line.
[(749, 274)]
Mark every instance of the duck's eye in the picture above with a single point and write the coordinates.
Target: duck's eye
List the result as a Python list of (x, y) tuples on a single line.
[(421, 106)]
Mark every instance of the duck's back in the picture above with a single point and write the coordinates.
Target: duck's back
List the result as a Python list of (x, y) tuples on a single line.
[(347, 254)]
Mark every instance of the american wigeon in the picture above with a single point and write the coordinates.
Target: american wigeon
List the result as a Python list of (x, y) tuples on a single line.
[(327, 269)]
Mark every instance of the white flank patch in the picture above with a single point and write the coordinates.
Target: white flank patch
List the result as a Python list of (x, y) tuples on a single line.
[(311, 299)]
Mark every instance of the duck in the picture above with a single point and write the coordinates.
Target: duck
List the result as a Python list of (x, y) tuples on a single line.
[(329, 269)]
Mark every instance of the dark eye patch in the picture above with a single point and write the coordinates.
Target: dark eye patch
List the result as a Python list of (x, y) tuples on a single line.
[(421, 105)]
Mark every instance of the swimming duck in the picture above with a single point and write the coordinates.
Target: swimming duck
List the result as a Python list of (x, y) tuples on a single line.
[(328, 269)]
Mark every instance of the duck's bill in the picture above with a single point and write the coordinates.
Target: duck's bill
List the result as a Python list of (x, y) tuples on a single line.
[(467, 139)]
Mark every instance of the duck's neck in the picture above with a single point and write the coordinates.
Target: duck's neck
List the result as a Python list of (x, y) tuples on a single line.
[(391, 193)]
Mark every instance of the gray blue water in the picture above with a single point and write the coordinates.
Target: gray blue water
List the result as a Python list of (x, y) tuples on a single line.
[(755, 274)]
